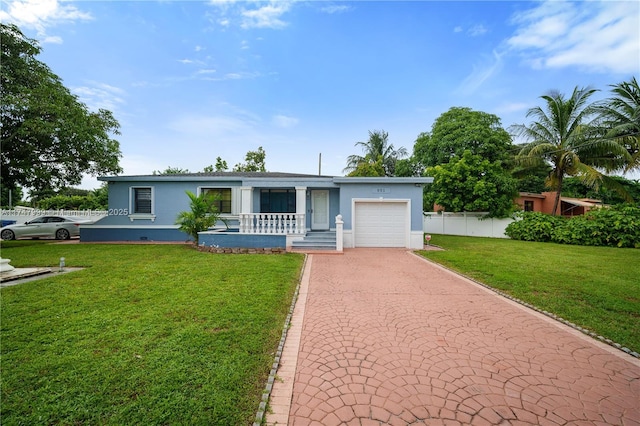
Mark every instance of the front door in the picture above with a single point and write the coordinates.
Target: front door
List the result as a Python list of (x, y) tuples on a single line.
[(319, 210)]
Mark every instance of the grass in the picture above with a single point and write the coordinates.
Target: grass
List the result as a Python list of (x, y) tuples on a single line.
[(146, 334), (597, 288)]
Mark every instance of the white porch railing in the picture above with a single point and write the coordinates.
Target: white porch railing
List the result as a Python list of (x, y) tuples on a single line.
[(272, 223)]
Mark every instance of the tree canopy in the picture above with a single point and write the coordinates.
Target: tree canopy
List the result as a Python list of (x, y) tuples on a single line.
[(49, 139), (254, 161), (472, 183), (221, 166), (621, 118), (376, 149), (565, 133), (463, 129), (171, 171)]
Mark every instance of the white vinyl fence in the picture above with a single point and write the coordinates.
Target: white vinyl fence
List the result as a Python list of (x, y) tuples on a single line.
[(24, 214), (466, 224)]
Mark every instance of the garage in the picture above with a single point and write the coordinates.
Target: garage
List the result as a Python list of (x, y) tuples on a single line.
[(381, 223)]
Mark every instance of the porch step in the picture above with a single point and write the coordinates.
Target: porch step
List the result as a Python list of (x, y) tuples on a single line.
[(317, 240)]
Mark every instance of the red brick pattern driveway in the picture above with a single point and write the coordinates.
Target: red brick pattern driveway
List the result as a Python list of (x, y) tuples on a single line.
[(391, 339)]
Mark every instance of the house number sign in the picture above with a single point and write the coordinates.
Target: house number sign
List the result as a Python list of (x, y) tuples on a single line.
[(382, 190)]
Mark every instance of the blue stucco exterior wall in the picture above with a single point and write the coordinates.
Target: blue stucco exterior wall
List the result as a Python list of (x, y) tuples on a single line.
[(236, 240), (94, 234), (378, 191)]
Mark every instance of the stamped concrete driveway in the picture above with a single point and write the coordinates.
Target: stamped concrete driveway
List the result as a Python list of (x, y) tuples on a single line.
[(391, 339)]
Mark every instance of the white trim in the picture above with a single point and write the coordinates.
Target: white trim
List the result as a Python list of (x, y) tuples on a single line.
[(132, 214), (142, 216), (354, 225)]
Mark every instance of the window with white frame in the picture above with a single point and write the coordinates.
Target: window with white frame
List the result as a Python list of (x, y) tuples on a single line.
[(277, 201), (141, 202), (222, 198)]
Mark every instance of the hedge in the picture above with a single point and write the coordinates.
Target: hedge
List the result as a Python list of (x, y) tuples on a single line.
[(617, 226)]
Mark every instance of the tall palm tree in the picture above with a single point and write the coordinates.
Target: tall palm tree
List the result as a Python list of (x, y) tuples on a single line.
[(375, 149), (621, 118), (564, 135)]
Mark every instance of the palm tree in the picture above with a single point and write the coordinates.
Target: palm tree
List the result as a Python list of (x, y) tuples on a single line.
[(621, 118), (375, 149), (202, 216), (564, 135)]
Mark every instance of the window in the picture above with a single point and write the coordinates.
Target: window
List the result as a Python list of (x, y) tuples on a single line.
[(223, 198), (528, 205), (142, 200), (277, 201)]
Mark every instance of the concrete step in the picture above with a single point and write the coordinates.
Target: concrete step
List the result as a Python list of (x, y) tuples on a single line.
[(317, 240)]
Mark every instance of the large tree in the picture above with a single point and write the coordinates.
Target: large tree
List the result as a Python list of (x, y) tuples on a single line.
[(376, 148), (471, 183), (49, 138), (463, 129), (621, 118), (564, 134)]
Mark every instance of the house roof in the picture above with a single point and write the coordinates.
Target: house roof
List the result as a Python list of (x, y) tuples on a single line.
[(266, 176), (235, 175), (581, 203)]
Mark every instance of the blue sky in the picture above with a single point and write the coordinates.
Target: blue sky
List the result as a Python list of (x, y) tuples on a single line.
[(193, 80)]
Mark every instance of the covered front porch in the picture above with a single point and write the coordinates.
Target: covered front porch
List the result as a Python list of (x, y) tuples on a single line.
[(274, 217)]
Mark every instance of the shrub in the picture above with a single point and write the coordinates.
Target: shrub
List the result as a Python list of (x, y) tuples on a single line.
[(617, 226), (533, 226)]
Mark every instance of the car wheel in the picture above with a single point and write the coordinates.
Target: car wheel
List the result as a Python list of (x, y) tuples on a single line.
[(62, 234), (8, 234)]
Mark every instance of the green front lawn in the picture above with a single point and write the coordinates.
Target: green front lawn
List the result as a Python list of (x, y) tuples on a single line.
[(146, 334), (597, 288)]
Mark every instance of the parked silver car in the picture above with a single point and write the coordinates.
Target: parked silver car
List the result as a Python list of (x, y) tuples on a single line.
[(58, 227)]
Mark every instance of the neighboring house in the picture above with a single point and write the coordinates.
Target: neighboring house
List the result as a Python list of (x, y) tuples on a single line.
[(544, 203), (266, 209)]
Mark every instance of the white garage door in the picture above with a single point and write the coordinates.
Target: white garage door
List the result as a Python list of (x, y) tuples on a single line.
[(381, 224)]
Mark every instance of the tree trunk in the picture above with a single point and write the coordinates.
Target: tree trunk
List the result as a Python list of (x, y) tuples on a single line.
[(556, 203)]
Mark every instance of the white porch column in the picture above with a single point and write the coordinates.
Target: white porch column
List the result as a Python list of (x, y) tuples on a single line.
[(301, 209), (339, 233), (246, 204), (246, 200)]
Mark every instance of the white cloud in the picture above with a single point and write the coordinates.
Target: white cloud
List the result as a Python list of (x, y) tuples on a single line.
[(284, 121), (268, 16), (52, 40), (41, 14), (240, 75), (206, 71), (100, 95), (477, 30), (457, 29), (334, 8), (597, 36), (481, 73)]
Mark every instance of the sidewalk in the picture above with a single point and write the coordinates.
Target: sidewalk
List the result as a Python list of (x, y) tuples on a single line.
[(387, 338)]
